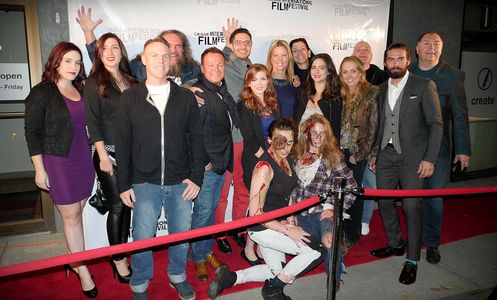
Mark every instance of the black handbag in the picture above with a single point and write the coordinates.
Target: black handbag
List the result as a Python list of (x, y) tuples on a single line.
[(99, 201)]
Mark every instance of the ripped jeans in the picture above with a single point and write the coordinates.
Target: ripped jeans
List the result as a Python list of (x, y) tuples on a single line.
[(273, 246)]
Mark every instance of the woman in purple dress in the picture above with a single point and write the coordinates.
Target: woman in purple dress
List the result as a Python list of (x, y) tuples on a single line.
[(55, 128)]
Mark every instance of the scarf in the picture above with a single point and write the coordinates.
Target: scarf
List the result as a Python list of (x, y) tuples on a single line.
[(225, 95)]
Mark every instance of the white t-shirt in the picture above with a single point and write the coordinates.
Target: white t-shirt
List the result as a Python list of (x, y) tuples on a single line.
[(159, 95)]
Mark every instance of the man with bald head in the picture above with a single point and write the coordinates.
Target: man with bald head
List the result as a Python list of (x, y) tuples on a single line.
[(374, 75), (450, 87)]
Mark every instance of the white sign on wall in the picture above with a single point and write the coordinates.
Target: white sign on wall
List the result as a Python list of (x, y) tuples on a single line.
[(480, 83), (14, 81)]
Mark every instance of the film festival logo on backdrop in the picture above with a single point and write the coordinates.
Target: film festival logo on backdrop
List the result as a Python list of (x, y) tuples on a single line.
[(345, 10), (343, 44), (130, 35), (211, 38), (286, 5)]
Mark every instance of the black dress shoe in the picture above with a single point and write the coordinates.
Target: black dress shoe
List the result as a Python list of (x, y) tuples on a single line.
[(224, 246), (433, 255), (251, 262), (239, 239), (388, 251), (408, 275)]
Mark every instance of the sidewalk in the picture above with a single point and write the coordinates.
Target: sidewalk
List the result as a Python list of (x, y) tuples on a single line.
[(468, 270)]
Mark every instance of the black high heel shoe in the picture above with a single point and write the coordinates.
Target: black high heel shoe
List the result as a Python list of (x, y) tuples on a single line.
[(121, 278), (251, 262), (90, 293)]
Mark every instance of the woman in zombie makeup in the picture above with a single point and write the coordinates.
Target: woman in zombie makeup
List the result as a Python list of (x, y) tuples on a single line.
[(319, 161), (273, 179)]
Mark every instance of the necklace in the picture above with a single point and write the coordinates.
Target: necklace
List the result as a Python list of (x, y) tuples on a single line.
[(122, 84), (280, 82)]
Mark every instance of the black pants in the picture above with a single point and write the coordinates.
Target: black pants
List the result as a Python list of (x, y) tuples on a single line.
[(119, 217), (352, 226)]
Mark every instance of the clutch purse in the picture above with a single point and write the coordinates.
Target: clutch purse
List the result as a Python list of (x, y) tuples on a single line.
[(99, 201)]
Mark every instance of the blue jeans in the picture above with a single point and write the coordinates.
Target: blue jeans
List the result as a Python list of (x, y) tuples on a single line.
[(369, 182), (150, 198), (433, 207), (204, 212), (317, 228)]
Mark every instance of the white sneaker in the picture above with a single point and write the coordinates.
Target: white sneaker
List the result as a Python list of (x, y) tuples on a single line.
[(365, 229)]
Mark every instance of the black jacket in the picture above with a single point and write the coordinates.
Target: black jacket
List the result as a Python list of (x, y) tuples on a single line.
[(331, 109), (141, 156), (101, 111), (216, 125), (253, 139), (47, 122)]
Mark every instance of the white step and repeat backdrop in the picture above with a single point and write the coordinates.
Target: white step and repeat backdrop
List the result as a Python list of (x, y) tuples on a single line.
[(331, 26)]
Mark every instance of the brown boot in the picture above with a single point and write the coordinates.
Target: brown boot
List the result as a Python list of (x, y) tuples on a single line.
[(213, 261), (201, 271)]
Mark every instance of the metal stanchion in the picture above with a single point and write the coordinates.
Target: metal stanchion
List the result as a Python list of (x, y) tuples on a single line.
[(340, 190), (337, 226)]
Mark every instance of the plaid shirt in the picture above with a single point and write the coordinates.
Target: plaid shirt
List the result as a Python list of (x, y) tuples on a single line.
[(323, 181)]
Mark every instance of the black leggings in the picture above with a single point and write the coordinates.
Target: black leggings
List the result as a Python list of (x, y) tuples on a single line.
[(352, 226), (119, 217)]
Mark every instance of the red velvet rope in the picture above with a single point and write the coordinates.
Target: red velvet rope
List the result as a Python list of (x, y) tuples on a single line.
[(183, 236), (429, 193)]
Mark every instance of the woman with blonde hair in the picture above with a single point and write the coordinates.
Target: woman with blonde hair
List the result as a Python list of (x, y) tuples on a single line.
[(359, 129), (280, 65)]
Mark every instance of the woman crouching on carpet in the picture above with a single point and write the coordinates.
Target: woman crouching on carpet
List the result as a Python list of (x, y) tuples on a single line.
[(273, 179), (319, 161)]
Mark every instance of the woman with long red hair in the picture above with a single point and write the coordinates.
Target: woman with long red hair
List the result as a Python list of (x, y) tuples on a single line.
[(55, 128), (258, 108)]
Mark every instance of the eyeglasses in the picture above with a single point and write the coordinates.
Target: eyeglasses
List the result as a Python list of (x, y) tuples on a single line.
[(244, 43)]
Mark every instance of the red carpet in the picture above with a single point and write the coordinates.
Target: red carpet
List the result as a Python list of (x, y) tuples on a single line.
[(464, 218)]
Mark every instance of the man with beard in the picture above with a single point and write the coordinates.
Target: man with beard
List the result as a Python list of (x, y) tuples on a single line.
[(450, 86), (184, 69), (409, 137)]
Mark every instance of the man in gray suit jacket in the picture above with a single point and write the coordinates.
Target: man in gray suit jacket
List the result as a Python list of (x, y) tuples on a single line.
[(409, 137)]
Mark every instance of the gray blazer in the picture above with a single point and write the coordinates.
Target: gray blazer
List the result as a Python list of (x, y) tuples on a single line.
[(420, 121)]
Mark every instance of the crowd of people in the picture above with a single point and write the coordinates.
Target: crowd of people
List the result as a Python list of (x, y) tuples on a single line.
[(169, 133)]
